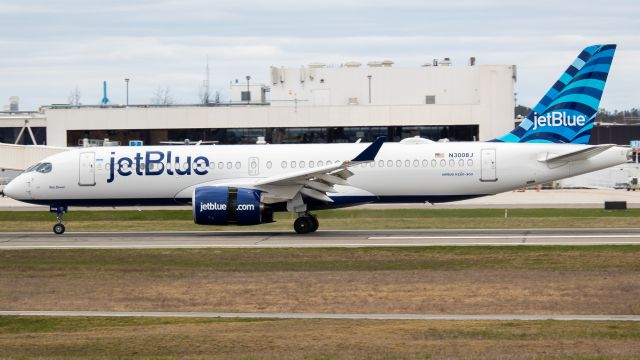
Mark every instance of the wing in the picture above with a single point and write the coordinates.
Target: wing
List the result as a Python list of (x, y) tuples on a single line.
[(316, 182)]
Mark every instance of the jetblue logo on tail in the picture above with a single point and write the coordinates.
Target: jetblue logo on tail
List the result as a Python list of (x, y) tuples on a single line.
[(566, 113), (557, 119)]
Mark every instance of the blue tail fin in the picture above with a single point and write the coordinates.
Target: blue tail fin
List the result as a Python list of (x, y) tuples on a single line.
[(567, 112)]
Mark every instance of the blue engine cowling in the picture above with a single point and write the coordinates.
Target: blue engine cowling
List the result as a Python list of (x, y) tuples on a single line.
[(217, 205)]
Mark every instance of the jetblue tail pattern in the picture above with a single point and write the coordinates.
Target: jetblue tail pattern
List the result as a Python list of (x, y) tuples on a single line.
[(567, 112)]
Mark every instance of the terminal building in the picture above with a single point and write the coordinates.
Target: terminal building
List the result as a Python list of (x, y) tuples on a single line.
[(315, 103)]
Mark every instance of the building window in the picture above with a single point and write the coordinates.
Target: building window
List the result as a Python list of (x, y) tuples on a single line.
[(430, 99), (245, 96)]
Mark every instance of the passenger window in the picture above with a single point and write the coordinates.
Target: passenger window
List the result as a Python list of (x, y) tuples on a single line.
[(380, 163), (416, 163), (425, 163), (328, 162), (312, 163), (212, 165), (229, 165), (293, 164), (238, 165), (461, 163), (407, 163), (220, 165), (320, 163), (452, 163), (469, 163), (372, 164), (389, 163), (302, 165), (268, 164), (443, 163), (434, 163), (398, 163), (283, 164)]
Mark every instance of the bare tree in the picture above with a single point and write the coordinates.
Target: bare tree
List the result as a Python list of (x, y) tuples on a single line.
[(74, 97), (204, 94), (162, 96), (216, 99)]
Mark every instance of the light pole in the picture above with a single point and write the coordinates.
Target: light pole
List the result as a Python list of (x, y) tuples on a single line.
[(126, 81), (248, 90), (369, 77)]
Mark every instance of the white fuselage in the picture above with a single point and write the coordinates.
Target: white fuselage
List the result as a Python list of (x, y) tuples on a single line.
[(401, 172)]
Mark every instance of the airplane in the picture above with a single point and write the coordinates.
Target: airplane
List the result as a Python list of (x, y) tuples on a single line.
[(246, 184)]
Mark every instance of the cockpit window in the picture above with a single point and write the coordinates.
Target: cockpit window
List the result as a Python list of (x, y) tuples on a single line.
[(32, 167), (44, 168)]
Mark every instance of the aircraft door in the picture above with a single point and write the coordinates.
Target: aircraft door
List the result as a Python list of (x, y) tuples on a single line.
[(254, 166), (488, 164), (87, 176)]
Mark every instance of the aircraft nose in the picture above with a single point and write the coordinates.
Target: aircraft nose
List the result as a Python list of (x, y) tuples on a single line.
[(16, 189)]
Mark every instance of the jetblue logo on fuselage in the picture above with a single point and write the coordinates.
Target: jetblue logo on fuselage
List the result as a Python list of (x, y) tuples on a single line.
[(153, 163), (558, 119)]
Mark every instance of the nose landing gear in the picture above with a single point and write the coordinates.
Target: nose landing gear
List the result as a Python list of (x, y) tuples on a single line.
[(58, 228)]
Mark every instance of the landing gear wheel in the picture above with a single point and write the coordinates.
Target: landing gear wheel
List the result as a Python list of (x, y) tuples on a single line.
[(303, 225), (314, 223), (58, 229)]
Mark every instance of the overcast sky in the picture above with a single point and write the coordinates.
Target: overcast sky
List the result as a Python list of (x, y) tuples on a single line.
[(48, 47)]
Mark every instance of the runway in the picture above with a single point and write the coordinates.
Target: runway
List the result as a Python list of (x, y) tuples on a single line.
[(454, 317), (320, 239)]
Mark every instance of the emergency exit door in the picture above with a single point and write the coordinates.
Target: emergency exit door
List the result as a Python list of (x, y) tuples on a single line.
[(87, 176), (488, 161)]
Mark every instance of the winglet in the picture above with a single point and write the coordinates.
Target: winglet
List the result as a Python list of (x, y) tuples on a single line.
[(369, 154)]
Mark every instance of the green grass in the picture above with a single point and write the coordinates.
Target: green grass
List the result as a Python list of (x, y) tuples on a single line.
[(156, 215), (159, 261), (177, 338), (175, 220)]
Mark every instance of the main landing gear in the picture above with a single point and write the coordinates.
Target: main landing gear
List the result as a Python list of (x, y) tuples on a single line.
[(306, 223), (58, 228)]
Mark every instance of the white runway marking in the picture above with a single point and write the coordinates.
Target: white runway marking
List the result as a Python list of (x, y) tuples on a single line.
[(453, 317), (321, 239), (509, 237)]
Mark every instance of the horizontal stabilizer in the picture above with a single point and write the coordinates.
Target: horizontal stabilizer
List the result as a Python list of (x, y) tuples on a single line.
[(582, 154)]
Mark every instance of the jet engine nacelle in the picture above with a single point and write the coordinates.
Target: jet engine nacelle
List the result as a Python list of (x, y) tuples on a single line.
[(218, 205)]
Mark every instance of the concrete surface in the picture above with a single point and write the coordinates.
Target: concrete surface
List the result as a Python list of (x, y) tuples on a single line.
[(320, 239)]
